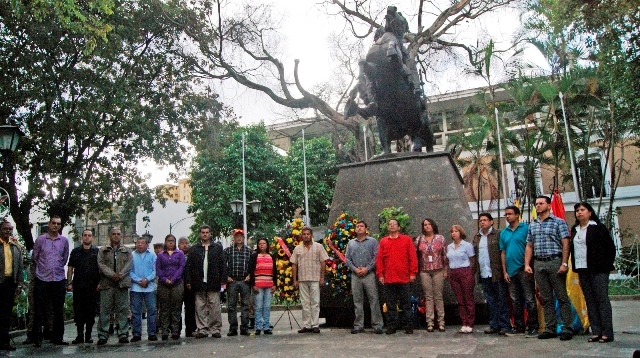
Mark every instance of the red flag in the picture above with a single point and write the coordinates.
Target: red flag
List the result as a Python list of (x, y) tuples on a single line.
[(557, 206)]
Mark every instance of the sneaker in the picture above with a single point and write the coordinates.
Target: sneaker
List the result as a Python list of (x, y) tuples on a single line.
[(514, 332), (135, 339), (532, 333), (547, 335), (232, 333), (268, 331), (565, 336), (463, 329)]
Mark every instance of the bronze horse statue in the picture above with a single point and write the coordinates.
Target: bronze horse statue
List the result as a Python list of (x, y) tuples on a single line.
[(389, 86)]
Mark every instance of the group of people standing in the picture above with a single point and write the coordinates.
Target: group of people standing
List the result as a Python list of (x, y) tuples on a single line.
[(510, 262), (120, 281)]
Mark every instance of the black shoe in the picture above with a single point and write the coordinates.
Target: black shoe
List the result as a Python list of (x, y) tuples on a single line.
[(504, 331), (268, 331), (78, 340), (201, 335), (175, 336), (216, 335), (60, 343), (357, 330), (7, 347), (111, 330), (305, 330), (135, 339), (490, 331), (102, 341), (408, 331), (547, 335), (29, 340), (88, 339), (37, 344), (565, 336), (232, 333), (124, 340), (153, 338), (390, 331), (257, 333), (316, 329), (244, 332), (165, 337), (377, 331)]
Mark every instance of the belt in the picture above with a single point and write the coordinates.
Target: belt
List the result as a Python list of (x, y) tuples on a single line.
[(548, 258)]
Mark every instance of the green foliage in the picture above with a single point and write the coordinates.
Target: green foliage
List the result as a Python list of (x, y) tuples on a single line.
[(394, 213), (216, 179), (321, 176), (89, 18), (91, 119)]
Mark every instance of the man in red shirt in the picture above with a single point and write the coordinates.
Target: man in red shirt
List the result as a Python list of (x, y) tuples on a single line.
[(396, 267)]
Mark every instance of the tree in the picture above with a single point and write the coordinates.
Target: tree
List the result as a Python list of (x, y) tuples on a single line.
[(321, 176), (90, 119), (241, 45), (216, 179), (89, 18)]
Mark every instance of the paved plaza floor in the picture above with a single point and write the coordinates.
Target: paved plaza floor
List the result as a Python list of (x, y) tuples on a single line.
[(334, 342)]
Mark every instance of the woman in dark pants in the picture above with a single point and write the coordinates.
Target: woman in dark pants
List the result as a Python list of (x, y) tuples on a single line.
[(592, 256)]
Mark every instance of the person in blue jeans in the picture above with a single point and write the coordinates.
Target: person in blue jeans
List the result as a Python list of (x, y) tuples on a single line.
[(143, 288), (263, 279)]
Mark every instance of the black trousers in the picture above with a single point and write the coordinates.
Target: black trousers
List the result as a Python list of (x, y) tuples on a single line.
[(53, 292), (7, 298), (398, 295), (84, 306), (189, 311)]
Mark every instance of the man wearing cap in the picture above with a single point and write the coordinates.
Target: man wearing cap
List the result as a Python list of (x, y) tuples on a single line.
[(237, 257)]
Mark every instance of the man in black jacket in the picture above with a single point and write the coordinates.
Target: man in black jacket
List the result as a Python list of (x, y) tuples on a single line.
[(206, 273)]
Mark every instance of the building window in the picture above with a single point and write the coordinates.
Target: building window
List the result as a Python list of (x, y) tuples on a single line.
[(590, 175)]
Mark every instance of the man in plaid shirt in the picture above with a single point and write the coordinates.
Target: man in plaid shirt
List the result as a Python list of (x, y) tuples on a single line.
[(548, 245), (237, 257)]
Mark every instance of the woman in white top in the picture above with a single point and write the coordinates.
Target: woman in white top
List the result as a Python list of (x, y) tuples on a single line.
[(592, 256), (462, 262)]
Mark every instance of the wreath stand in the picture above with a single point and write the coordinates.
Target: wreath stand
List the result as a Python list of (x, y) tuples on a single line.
[(290, 314)]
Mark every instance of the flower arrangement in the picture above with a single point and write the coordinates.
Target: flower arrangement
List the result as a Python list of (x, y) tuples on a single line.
[(283, 245), (338, 275)]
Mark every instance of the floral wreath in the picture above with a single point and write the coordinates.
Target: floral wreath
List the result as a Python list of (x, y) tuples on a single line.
[(338, 275), (283, 244)]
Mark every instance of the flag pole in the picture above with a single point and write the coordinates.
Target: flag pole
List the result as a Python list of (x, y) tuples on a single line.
[(244, 195), (306, 193), (504, 187), (566, 131)]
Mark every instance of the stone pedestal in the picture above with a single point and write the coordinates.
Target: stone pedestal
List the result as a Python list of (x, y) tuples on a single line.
[(424, 184)]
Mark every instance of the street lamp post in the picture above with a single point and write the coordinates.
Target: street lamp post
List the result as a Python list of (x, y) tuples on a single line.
[(9, 138), (171, 226), (237, 207)]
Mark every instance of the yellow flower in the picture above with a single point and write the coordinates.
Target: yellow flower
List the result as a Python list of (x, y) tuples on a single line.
[(287, 280), (295, 232), (289, 240), (344, 277), (354, 221)]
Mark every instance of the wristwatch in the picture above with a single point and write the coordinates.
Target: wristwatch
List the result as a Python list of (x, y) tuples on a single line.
[(565, 264)]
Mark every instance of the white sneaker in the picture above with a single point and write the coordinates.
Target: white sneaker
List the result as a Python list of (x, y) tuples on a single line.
[(469, 329), (463, 329)]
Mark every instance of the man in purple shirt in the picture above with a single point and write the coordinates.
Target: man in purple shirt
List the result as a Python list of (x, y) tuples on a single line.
[(50, 255)]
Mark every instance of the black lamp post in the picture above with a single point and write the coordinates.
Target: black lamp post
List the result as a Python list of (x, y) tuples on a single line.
[(9, 138), (237, 206)]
